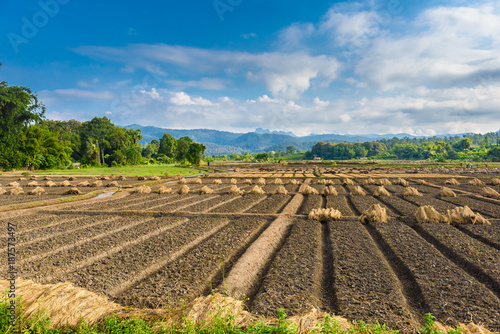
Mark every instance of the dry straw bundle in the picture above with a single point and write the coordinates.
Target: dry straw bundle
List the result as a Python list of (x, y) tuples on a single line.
[(217, 181), (257, 190), (308, 190), (15, 191), (233, 181), (71, 178), (155, 178), (410, 191), (235, 190), (452, 182), (22, 179), (261, 181), (141, 190), (33, 177), (427, 214), (206, 190), (475, 182), (32, 184), (196, 180), (96, 184), (50, 184), (83, 184), (329, 190), (381, 191), (402, 182), (65, 183), (495, 181), (163, 190), (183, 190), (281, 190), (47, 178), (324, 215), (446, 192), (72, 191), (142, 178), (13, 184), (347, 182), (182, 181), (374, 214), (247, 181), (357, 191), (104, 177), (121, 178), (278, 181), (369, 181), (112, 184), (37, 191), (464, 215), (489, 192), (2, 191), (422, 182), (384, 182), (293, 181)]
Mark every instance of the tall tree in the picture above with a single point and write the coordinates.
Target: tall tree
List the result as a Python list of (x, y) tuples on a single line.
[(168, 145)]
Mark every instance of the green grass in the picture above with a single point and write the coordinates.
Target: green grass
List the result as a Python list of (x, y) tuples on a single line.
[(39, 323), (146, 170)]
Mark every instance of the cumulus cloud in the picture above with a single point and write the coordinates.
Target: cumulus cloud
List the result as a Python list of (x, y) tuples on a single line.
[(182, 99)]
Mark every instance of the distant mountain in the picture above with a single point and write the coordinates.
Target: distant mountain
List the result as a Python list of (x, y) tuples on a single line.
[(261, 140)]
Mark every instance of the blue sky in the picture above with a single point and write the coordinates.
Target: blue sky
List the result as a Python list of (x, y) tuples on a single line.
[(419, 67)]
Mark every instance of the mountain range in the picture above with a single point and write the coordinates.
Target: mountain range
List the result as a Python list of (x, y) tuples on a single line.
[(261, 140)]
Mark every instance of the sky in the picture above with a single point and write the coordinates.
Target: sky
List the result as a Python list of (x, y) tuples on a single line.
[(367, 67)]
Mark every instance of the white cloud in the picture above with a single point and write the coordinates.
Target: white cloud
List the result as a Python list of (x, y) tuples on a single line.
[(320, 103), (182, 99), (153, 93), (203, 83), (47, 96)]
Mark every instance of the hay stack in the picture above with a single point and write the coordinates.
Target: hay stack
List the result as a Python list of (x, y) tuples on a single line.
[(357, 191), (13, 184), (324, 215), (475, 182), (155, 178), (196, 180), (2, 191), (452, 182), (293, 181), (464, 215), (163, 190), (381, 191), (206, 190), (32, 184), (261, 181), (65, 183), (217, 181), (33, 177), (96, 184), (369, 181), (38, 191), (15, 191), (278, 181), (281, 190), (257, 190), (183, 190), (50, 184), (384, 182), (235, 190), (247, 181), (329, 190), (22, 179), (422, 182), (182, 181), (72, 191), (121, 178), (233, 181), (112, 184), (47, 178), (141, 190), (427, 214), (374, 214), (402, 182), (446, 192), (495, 181), (347, 182), (104, 177), (83, 184), (308, 190), (71, 178), (410, 191), (489, 192), (142, 178)]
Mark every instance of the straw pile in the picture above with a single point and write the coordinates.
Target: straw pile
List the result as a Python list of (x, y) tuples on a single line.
[(293, 181), (495, 181), (347, 182), (384, 182), (64, 183), (233, 181), (141, 190), (112, 184), (32, 184), (261, 181), (374, 214), (50, 184), (206, 190), (410, 191), (22, 179), (452, 182), (83, 184), (257, 190), (281, 190), (489, 192), (72, 191), (196, 180), (142, 178), (96, 184), (357, 191), (475, 182), (402, 182), (217, 181), (13, 184), (104, 177), (446, 192), (37, 191), (329, 190), (308, 190), (2, 191), (324, 215), (247, 181), (47, 178), (33, 177), (427, 214), (71, 178), (182, 181), (422, 182), (464, 215), (369, 181), (235, 190), (178, 177), (381, 191), (121, 178), (163, 190), (278, 181), (15, 191), (183, 190)]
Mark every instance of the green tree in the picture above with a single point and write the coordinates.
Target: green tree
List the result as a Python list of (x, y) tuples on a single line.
[(182, 148), (167, 145), (194, 153), (290, 149)]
